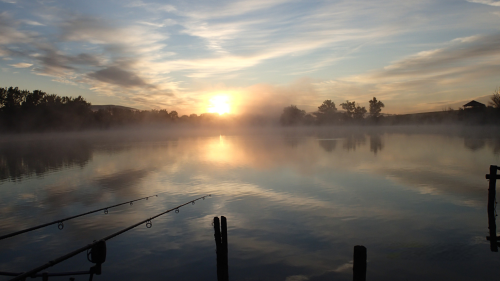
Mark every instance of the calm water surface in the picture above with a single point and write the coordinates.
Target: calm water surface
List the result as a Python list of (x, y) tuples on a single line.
[(296, 203)]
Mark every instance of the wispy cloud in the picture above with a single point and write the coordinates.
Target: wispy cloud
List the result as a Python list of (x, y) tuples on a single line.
[(206, 10), (152, 7), (153, 54), (31, 22), (447, 71), (118, 76), (21, 65), (10, 33), (486, 2)]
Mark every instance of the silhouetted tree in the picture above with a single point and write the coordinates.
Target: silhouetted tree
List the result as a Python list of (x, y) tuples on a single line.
[(375, 107), (173, 115), (309, 119), (22, 110), (349, 108), (352, 111), (495, 99), (292, 116), (327, 113), (359, 112), (327, 106)]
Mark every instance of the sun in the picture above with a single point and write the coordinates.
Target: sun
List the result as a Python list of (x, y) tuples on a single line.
[(219, 104)]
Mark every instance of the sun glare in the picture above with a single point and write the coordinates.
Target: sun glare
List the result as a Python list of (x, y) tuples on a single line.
[(219, 104)]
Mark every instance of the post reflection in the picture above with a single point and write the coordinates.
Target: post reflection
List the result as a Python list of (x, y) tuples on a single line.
[(493, 238)]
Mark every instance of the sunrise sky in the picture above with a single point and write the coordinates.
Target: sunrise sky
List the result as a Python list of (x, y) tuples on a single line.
[(256, 56)]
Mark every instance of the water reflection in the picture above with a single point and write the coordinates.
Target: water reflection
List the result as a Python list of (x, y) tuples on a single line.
[(376, 144), (494, 144), (297, 203), (474, 143), (354, 140), (22, 159), (328, 145)]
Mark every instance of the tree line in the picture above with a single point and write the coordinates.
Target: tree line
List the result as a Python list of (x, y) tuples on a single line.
[(23, 111), (327, 114), (352, 113)]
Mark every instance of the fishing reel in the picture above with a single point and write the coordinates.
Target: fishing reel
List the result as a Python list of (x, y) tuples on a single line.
[(97, 255)]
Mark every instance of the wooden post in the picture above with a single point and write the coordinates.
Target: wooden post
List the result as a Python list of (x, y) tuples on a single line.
[(217, 234), (492, 176), (359, 264), (221, 248), (224, 247)]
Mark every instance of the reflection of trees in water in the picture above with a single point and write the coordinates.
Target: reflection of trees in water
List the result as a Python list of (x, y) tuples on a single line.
[(376, 144), (328, 145), (292, 142), (495, 145), (18, 160), (354, 140), (474, 143), (293, 139)]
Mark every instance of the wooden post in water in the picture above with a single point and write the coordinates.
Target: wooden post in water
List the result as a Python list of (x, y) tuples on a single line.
[(359, 264), (224, 247), (492, 176), (221, 248)]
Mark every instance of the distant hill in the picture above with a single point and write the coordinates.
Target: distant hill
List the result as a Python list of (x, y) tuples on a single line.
[(97, 107)]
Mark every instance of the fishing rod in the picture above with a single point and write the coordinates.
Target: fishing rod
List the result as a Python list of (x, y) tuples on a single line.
[(60, 223), (101, 241)]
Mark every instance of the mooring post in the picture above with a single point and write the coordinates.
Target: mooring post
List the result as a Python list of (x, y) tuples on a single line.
[(492, 176), (217, 234), (224, 249), (359, 264), (221, 248)]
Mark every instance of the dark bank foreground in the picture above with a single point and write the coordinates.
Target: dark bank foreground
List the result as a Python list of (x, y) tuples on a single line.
[(296, 203)]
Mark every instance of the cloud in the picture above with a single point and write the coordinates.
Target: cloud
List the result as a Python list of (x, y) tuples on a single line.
[(118, 76), (21, 65), (427, 80), (152, 7), (248, 41), (100, 32), (30, 22), (297, 278), (448, 59), (102, 61), (176, 47), (53, 62), (9, 32), (233, 8), (486, 2)]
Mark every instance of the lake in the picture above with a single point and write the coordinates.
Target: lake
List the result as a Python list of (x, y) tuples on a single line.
[(296, 200)]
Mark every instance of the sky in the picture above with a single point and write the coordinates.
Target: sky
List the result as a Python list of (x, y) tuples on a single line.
[(255, 57)]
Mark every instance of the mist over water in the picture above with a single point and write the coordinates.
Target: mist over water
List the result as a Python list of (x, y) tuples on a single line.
[(297, 200)]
